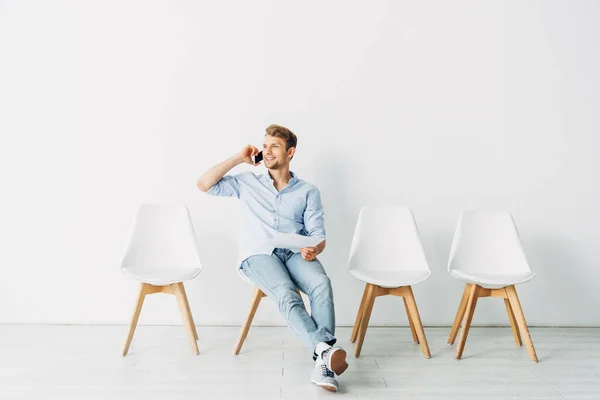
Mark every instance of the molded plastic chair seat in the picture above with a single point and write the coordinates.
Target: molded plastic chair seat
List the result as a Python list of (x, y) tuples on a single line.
[(161, 277), (391, 279), (493, 280)]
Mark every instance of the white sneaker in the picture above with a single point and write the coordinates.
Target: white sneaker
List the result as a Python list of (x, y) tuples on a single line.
[(323, 376), (335, 359)]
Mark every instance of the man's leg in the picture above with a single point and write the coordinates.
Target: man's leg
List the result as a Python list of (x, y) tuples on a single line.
[(271, 275), (311, 278)]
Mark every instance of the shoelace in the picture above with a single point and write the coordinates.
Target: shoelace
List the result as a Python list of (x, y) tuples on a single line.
[(325, 371)]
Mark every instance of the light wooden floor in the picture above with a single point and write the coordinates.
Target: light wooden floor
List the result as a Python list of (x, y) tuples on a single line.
[(84, 362)]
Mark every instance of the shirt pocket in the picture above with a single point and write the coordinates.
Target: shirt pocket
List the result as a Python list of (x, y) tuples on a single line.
[(293, 209)]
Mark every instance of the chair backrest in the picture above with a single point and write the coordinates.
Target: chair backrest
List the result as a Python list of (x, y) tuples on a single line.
[(162, 237), (487, 241), (386, 238)]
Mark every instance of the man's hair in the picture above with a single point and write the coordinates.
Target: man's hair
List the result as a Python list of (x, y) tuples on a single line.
[(284, 133)]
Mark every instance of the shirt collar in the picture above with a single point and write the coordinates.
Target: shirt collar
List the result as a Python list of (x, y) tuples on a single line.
[(291, 183), (294, 179)]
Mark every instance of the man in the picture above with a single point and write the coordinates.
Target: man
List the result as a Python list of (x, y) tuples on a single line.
[(281, 202)]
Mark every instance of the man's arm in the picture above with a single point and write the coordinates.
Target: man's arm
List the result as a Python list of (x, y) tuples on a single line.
[(314, 225), (214, 174)]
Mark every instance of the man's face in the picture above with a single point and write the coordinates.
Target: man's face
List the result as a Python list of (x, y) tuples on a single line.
[(274, 152)]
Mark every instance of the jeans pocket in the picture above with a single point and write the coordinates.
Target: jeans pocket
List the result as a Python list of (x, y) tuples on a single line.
[(243, 269)]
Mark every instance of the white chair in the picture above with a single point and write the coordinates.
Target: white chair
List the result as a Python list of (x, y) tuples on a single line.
[(162, 254), (387, 254), (487, 255)]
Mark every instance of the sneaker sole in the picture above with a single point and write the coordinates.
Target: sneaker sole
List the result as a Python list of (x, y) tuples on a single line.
[(326, 386), (338, 361)]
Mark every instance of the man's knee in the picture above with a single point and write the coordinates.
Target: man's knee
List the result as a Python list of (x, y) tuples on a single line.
[(288, 298), (321, 287)]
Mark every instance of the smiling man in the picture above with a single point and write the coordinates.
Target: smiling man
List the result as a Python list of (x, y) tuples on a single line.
[(279, 201)]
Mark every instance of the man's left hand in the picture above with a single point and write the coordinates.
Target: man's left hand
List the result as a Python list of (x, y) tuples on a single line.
[(309, 253)]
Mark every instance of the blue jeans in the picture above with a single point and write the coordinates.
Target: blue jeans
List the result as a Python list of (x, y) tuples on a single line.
[(278, 276)]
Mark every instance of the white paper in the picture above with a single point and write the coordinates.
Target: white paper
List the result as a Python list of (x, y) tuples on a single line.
[(293, 241)]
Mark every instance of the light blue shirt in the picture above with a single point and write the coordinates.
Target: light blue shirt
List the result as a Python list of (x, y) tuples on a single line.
[(297, 208)]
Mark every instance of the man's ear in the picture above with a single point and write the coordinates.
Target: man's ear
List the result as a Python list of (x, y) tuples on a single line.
[(291, 152)]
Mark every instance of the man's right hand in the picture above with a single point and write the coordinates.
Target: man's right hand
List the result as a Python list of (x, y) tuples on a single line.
[(247, 153)]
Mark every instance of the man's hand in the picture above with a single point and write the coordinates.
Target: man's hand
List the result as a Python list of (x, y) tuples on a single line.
[(247, 153), (309, 253), (213, 175)]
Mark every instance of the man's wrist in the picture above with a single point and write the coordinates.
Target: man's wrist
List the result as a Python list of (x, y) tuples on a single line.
[(237, 159)]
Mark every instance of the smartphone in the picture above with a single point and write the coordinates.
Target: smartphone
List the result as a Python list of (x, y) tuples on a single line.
[(258, 158)]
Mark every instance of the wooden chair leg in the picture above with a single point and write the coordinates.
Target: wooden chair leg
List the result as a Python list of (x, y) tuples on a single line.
[(179, 292), (459, 315), (513, 323), (136, 315), (468, 317), (359, 315), (520, 318), (256, 296), (364, 323), (416, 319), (410, 322), (189, 311)]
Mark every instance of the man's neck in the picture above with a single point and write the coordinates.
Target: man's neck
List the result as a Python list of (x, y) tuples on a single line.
[(281, 177)]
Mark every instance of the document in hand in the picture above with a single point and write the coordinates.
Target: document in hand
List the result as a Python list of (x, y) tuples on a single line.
[(293, 241)]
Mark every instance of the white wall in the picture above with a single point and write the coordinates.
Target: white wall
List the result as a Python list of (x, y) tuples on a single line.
[(438, 105)]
